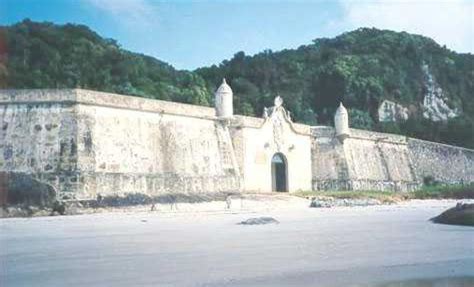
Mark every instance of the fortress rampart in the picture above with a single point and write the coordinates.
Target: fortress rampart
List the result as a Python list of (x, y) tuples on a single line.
[(85, 143), (379, 161)]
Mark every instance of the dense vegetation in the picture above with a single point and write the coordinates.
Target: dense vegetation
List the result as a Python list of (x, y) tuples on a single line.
[(360, 68), (45, 55)]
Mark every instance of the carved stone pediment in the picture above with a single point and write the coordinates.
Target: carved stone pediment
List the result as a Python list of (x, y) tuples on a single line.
[(280, 120), (278, 130)]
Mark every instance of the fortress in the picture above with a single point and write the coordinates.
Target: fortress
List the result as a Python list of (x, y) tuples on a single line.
[(86, 143)]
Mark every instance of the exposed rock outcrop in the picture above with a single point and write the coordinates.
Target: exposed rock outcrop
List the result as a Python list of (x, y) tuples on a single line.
[(435, 107), (461, 214), (391, 112), (25, 189)]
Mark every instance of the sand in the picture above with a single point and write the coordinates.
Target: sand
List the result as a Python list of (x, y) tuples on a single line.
[(202, 245)]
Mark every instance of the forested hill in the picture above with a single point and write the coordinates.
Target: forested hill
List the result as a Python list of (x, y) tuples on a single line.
[(362, 68), (429, 89), (45, 55)]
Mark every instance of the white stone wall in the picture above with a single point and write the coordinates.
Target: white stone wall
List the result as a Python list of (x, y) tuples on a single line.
[(151, 153), (366, 161), (378, 161), (87, 143), (443, 163), (258, 141), (329, 165)]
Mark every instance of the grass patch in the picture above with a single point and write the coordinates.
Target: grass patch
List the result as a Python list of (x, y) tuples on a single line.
[(383, 196), (425, 192), (445, 192)]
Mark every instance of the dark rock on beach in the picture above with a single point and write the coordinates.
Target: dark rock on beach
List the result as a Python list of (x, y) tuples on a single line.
[(461, 214), (259, 221)]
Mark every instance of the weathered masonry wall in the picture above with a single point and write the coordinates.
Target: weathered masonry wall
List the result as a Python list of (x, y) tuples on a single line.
[(365, 161), (87, 143), (152, 153), (378, 161), (84, 143), (39, 137), (443, 163)]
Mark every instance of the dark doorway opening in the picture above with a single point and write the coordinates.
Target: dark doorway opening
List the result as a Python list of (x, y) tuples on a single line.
[(279, 173)]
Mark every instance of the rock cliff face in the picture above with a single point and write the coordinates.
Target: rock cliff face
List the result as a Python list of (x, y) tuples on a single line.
[(391, 112), (435, 107)]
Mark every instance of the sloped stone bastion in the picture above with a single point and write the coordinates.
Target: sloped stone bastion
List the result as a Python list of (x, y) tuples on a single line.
[(86, 143)]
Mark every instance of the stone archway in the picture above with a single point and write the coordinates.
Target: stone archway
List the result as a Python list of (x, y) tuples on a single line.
[(279, 173)]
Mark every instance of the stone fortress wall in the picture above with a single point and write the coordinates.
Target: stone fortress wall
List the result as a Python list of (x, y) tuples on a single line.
[(444, 163), (86, 143), (379, 161)]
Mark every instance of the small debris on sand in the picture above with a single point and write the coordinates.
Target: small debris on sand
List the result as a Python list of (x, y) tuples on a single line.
[(259, 221)]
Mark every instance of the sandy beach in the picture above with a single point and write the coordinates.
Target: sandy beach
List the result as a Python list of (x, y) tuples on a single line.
[(203, 245)]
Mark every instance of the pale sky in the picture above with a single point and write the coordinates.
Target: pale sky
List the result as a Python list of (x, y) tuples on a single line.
[(191, 34)]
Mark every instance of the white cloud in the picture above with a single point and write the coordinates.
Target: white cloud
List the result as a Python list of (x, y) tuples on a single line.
[(128, 12), (449, 22)]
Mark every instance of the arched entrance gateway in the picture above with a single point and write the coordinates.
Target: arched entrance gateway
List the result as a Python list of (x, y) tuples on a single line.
[(279, 173)]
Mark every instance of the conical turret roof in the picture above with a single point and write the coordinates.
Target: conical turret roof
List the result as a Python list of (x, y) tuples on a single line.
[(224, 88), (341, 109)]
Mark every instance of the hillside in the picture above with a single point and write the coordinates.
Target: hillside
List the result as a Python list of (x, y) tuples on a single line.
[(430, 89), (45, 55), (393, 82)]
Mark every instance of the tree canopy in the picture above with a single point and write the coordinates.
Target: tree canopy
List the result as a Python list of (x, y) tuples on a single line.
[(360, 68), (45, 55)]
